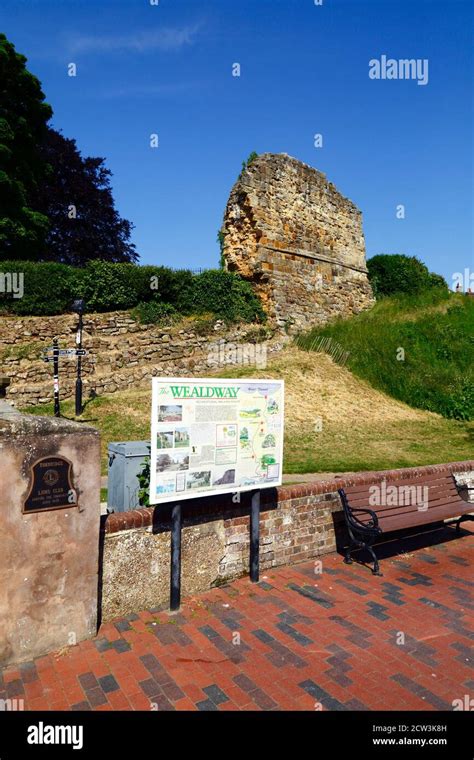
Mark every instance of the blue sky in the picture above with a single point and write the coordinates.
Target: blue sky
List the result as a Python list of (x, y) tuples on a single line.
[(167, 69)]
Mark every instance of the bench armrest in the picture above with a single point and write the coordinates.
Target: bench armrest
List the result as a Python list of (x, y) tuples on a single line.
[(374, 522)]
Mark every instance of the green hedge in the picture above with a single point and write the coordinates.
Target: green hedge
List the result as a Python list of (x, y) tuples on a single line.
[(397, 273), (152, 291), (224, 293)]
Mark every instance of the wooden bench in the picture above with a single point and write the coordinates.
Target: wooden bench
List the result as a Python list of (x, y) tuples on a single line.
[(371, 511)]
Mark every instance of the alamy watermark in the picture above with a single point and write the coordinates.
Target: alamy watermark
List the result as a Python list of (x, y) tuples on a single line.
[(245, 354), (12, 282), (12, 705), (463, 282), (466, 703), (399, 496), (403, 68), (42, 733)]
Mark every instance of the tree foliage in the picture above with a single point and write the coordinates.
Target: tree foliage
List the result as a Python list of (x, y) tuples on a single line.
[(23, 119), (77, 198)]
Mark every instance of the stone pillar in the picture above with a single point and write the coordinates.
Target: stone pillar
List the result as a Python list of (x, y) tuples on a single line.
[(49, 534)]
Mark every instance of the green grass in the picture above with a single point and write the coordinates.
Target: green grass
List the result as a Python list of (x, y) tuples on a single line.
[(125, 416), (21, 351), (363, 443), (383, 447), (418, 349)]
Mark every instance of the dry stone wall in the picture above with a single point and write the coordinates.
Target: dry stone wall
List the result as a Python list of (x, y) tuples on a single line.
[(121, 352), (290, 232)]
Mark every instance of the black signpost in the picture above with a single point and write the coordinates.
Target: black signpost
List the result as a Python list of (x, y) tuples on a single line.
[(54, 353), (79, 307), (175, 586), (56, 377), (175, 565), (255, 537)]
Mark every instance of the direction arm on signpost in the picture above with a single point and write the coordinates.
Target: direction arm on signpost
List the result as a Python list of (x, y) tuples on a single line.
[(63, 353)]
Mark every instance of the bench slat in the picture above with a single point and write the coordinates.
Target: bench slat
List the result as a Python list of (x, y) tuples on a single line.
[(421, 518), (418, 480), (382, 509), (434, 494), (403, 513)]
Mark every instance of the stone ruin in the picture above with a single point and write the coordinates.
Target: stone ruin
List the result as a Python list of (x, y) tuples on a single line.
[(298, 241)]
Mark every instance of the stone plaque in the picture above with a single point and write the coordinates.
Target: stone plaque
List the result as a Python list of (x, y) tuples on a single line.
[(51, 485)]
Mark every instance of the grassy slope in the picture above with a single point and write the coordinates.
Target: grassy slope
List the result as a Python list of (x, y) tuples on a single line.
[(436, 332), (362, 428)]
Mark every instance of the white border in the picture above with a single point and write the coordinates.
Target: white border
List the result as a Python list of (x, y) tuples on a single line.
[(181, 496)]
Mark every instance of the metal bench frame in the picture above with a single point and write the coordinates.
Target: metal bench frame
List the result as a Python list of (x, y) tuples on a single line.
[(362, 535)]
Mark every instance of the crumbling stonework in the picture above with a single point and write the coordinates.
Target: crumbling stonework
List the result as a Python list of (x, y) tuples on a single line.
[(298, 240), (122, 353)]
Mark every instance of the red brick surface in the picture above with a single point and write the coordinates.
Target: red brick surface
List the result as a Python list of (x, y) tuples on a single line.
[(339, 640)]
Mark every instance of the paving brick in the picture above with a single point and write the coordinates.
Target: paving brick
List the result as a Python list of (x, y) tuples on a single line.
[(207, 705), (81, 706), (216, 694), (88, 681), (108, 684), (96, 697)]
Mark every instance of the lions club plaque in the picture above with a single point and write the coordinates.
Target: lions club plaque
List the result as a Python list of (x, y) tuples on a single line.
[(51, 486)]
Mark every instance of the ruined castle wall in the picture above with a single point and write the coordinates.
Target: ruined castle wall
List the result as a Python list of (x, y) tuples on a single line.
[(298, 240)]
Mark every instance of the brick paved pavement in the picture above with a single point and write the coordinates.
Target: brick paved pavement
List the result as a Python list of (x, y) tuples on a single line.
[(330, 640)]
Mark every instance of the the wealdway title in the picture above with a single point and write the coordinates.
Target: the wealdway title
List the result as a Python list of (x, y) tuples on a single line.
[(203, 391)]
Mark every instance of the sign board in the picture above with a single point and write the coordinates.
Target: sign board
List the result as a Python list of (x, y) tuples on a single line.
[(212, 436), (65, 352), (51, 485)]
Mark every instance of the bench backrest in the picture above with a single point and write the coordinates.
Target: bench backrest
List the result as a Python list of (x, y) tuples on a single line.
[(409, 502)]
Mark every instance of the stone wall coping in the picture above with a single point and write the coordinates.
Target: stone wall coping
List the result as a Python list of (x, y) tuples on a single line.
[(26, 425), (145, 516)]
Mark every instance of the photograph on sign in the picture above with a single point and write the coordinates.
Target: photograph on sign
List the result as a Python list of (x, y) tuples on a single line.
[(215, 436)]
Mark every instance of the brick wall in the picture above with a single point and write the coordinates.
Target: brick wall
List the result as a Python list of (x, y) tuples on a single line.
[(297, 523)]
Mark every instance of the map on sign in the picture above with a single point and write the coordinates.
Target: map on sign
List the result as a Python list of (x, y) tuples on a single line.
[(214, 436)]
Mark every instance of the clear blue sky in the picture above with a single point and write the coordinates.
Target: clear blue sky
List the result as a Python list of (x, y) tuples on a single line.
[(167, 69)]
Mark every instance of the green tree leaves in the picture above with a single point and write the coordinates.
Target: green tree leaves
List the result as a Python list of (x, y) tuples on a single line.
[(23, 119)]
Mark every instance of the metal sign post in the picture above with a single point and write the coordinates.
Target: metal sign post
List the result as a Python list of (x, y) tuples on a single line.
[(54, 353), (255, 537), (57, 411), (79, 379), (175, 586)]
